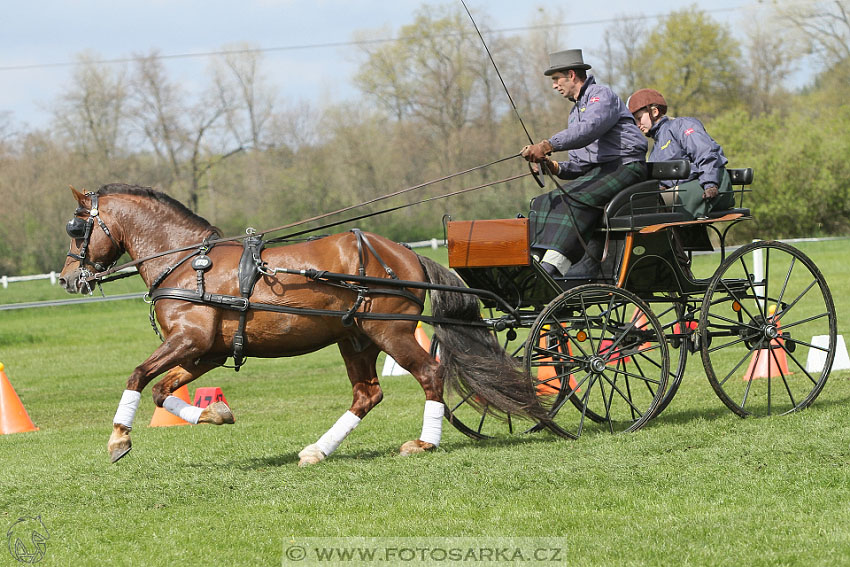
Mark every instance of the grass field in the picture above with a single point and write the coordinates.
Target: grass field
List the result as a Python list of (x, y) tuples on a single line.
[(697, 486)]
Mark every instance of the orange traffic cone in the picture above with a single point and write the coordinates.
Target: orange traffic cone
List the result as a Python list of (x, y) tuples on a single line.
[(162, 417), (422, 338), (547, 384), (769, 362), (13, 416)]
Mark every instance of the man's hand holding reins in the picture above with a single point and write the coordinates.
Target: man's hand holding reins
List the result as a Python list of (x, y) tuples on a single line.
[(550, 164), (537, 152)]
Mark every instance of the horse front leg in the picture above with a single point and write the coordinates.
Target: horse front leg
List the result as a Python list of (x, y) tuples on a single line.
[(217, 413), (170, 353)]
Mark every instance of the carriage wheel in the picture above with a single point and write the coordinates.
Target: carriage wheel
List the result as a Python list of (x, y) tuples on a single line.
[(766, 301), (601, 348), (467, 419), (677, 329)]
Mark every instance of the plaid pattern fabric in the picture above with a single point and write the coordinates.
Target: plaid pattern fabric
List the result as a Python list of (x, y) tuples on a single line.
[(557, 219)]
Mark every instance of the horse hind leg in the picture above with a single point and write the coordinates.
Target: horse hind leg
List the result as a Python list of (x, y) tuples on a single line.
[(366, 392), (428, 376), (408, 353)]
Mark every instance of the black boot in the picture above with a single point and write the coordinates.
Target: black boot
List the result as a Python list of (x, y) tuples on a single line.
[(551, 270)]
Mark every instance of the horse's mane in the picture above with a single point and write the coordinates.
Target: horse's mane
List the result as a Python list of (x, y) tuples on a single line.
[(125, 189)]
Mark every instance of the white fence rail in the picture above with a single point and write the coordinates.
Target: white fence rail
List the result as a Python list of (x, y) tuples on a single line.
[(434, 243), (6, 280)]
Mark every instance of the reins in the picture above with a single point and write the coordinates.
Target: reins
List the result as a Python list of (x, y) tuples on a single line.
[(106, 275), (392, 209)]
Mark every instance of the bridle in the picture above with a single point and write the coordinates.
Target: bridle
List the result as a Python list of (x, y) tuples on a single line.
[(77, 228)]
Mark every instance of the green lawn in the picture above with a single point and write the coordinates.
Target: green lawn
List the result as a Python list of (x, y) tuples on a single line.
[(697, 486)]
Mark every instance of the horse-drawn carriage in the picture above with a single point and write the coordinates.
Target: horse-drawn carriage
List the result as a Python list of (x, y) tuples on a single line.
[(604, 347), (607, 345)]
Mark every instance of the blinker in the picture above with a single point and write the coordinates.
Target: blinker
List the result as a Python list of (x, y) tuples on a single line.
[(76, 228)]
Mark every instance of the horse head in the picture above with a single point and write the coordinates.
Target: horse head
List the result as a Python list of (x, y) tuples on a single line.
[(95, 244), (147, 224)]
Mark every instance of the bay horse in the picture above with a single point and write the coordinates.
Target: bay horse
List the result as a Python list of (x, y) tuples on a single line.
[(197, 337)]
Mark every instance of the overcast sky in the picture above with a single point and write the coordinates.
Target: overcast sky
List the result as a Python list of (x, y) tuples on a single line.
[(40, 37)]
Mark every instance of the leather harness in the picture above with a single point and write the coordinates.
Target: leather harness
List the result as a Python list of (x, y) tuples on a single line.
[(251, 267)]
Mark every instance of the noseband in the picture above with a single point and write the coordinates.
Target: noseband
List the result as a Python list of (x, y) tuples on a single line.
[(79, 228)]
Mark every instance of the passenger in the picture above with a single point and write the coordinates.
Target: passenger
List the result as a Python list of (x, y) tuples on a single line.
[(708, 187), (607, 153)]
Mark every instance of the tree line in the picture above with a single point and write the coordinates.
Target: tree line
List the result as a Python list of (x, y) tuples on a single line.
[(431, 104)]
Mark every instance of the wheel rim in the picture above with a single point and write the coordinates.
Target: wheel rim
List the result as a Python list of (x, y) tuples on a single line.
[(600, 348), (758, 327)]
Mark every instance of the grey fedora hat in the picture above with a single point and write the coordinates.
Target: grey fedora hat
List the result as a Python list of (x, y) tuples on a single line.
[(563, 60)]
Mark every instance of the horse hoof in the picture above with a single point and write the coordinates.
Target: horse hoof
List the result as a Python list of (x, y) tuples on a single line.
[(217, 414), (310, 455), (118, 453), (119, 442), (415, 446)]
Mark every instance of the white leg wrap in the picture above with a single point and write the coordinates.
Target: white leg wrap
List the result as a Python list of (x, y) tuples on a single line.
[(181, 409), (558, 260), (328, 442), (432, 422), (127, 408)]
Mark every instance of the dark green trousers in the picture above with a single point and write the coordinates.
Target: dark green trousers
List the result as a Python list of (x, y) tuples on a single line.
[(558, 219)]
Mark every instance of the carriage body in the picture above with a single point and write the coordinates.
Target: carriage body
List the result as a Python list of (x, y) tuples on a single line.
[(612, 338)]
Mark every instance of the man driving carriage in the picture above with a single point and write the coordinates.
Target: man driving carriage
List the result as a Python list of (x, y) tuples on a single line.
[(607, 153)]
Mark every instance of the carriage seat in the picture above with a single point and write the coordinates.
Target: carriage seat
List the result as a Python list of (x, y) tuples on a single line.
[(641, 204)]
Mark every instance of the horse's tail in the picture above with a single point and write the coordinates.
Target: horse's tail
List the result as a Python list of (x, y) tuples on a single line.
[(472, 362)]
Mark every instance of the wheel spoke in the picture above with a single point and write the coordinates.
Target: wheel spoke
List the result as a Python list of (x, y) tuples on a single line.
[(784, 381), (800, 296), (641, 373), (483, 416), (804, 321), (462, 401), (737, 366), (615, 388), (787, 279), (750, 284), (629, 393), (793, 358)]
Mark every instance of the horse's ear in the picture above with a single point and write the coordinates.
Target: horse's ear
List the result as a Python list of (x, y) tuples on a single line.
[(77, 195)]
